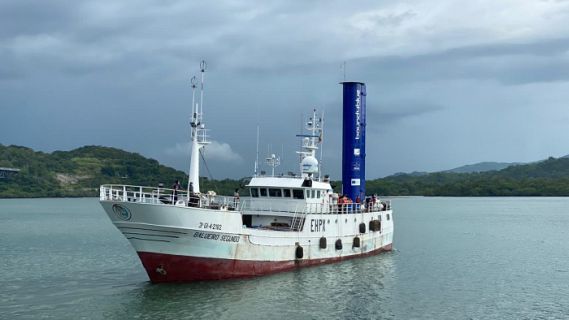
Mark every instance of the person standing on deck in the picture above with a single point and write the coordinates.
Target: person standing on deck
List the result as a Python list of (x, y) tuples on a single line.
[(175, 189), (236, 198)]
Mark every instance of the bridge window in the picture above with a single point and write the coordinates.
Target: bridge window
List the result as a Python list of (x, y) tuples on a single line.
[(254, 192), (298, 193), (263, 192), (275, 193), (286, 193)]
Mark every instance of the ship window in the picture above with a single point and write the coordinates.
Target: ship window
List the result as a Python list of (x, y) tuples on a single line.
[(387, 216), (263, 192), (298, 193), (254, 192), (313, 193), (318, 194), (286, 193), (275, 193)]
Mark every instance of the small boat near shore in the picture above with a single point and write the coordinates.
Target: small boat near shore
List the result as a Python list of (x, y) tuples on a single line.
[(283, 223)]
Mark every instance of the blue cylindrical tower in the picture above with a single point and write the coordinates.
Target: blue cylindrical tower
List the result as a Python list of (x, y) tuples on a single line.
[(353, 140)]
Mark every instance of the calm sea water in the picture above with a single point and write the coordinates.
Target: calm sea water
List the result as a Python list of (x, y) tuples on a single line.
[(454, 258)]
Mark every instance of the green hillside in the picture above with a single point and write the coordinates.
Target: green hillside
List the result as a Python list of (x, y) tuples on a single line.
[(545, 178), (80, 172), (482, 167)]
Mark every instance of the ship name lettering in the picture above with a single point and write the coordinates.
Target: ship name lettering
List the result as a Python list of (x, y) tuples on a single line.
[(357, 113), (207, 236), (228, 238), (215, 236), (317, 225)]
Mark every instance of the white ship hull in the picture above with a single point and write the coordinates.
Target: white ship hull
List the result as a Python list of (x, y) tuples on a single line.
[(179, 243)]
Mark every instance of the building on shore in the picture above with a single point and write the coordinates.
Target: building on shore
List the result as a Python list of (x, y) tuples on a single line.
[(7, 173)]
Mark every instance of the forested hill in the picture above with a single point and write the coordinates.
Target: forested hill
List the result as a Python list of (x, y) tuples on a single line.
[(482, 167), (545, 178), (80, 172)]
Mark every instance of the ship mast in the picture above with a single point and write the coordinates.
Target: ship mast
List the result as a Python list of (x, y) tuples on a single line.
[(273, 161), (308, 163), (198, 133)]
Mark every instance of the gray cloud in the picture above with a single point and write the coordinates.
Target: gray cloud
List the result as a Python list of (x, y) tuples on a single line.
[(509, 63), (392, 113), (117, 74)]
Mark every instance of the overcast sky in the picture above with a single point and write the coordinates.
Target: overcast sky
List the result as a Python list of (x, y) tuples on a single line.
[(449, 82)]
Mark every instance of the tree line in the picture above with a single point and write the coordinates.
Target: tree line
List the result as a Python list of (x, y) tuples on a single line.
[(80, 172)]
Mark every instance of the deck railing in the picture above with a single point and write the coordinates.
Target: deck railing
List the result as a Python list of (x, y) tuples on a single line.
[(165, 196), (298, 206)]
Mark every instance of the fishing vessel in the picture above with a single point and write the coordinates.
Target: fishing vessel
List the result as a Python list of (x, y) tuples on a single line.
[(284, 222)]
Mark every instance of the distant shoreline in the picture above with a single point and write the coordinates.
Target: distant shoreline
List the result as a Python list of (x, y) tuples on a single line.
[(80, 172), (387, 197)]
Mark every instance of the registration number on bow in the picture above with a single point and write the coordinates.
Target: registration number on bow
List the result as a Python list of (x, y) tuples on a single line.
[(211, 226)]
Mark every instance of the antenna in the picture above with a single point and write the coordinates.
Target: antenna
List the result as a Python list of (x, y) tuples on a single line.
[(300, 132), (321, 140), (309, 165), (273, 161), (193, 81), (257, 159), (203, 66), (199, 137)]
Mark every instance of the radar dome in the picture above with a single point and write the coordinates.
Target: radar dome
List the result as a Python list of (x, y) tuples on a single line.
[(309, 165)]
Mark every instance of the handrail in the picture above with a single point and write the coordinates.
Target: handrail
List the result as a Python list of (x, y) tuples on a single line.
[(255, 204), (166, 196)]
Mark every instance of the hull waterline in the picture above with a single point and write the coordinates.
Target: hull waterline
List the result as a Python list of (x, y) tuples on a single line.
[(175, 268)]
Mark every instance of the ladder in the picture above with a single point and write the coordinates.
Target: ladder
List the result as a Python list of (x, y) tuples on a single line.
[(298, 221)]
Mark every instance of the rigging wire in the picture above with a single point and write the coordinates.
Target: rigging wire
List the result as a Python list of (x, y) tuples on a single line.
[(209, 173)]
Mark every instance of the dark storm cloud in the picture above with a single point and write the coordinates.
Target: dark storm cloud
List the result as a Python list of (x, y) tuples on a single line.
[(28, 17), (117, 74), (392, 113), (509, 63)]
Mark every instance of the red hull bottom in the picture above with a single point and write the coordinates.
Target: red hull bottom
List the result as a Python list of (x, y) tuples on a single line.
[(174, 268)]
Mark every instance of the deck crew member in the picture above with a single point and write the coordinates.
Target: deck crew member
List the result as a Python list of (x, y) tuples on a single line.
[(175, 187), (236, 198)]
